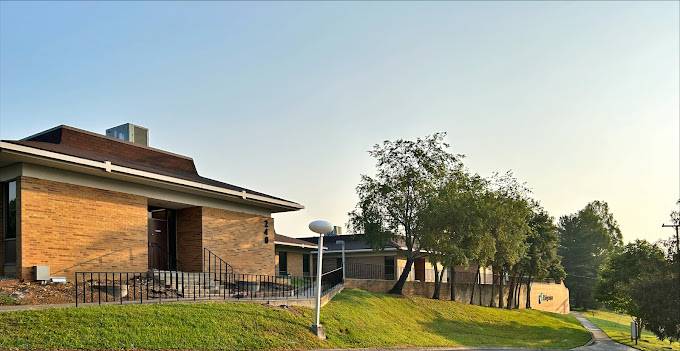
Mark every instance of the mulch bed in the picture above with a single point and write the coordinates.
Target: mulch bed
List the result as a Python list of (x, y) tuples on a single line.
[(15, 292)]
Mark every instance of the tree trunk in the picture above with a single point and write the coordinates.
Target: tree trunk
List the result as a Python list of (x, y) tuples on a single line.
[(528, 305), (500, 288), (437, 282), (474, 285), (511, 291), (399, 285), (441, 277), (479, 287), (518, 290), (493, 286), (452, 283)]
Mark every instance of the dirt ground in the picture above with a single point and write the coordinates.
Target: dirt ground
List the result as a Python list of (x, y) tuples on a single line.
[(14, 292)]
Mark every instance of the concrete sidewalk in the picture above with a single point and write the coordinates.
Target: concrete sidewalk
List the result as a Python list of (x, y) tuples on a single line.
[(601, 341)]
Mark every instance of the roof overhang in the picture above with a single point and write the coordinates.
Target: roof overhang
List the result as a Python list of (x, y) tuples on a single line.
[(21, 153), (310, 246), (358, 250)]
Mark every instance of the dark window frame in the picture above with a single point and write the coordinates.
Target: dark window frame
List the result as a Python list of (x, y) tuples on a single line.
[(283, 258), (7, 214), (390, 264), (306, 264)]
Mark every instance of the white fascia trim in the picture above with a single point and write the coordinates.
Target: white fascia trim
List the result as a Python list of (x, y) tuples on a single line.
[(404, 248), (109, 167), (296, 245), (359, 250)]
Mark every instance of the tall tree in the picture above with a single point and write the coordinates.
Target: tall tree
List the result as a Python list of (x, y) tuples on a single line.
[(541, 260), (455, 231), (391, 204), (508, 218), (586, 239)]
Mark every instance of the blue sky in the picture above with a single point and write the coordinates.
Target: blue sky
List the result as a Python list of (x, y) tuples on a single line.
[(579, 99)]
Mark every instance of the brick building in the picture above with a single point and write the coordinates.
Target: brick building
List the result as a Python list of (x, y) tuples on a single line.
[(74, 200)]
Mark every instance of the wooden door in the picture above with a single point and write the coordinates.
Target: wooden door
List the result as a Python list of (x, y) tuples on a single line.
[(158, 243)]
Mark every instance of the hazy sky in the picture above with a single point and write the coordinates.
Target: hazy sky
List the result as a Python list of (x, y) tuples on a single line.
[(580, 100)]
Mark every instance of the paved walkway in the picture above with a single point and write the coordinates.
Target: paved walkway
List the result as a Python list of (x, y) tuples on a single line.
[(601, 342)]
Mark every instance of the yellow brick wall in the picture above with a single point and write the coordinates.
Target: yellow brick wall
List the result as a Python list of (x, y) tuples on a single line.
[(556, 297), (294, 264), (238, 238), (189, 239), (76, 228)]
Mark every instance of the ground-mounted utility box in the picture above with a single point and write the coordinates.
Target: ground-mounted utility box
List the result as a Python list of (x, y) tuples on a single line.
[(41, 273)]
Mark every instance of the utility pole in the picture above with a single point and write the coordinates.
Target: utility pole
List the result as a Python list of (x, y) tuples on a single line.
[(676, 225), (675, 219)]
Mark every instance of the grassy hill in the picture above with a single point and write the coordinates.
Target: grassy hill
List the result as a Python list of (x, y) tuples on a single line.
[(617, 327), (353, 319)]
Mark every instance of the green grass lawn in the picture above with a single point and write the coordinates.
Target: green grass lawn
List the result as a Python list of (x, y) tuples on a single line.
[(617, 327), (353, 319)]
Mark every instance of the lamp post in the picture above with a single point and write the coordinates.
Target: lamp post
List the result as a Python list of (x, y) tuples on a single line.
[(321, 227), (342, 243)]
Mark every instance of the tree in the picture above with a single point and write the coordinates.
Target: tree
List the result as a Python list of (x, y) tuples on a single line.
[(623, 269), (391, 204), (508, 218), (586, 239), (622, 274), (455, 232), (657, 295), (541, 260)]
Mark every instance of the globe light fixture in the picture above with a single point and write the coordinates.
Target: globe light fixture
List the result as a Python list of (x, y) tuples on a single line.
[(321, 227)]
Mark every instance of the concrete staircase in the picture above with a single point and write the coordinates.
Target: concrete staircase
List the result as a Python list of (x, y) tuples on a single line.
[(190, 284)]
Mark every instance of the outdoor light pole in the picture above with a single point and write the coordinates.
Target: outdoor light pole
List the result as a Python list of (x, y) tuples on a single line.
[(321, 227), (342, 243)]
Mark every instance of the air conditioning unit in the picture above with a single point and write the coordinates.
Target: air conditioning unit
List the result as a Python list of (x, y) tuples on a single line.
[(130, 132), (41, 273)]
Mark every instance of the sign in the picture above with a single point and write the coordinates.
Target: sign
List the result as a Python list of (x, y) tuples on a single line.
[(543, 297)]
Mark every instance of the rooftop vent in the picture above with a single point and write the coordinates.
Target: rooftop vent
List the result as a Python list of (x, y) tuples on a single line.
[(337, 230), (130, 132)]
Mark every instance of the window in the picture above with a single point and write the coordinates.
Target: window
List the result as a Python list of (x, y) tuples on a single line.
[(305, 264), (9, 203), (283, 263), (389, 267)]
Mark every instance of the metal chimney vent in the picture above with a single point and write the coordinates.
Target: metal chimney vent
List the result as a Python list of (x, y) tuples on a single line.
[(130, 132)]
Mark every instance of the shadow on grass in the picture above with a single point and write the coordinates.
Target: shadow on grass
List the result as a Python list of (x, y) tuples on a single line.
[(512, 333)]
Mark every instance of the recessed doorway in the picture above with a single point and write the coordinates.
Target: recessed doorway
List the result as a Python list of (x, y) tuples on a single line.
[(162, 239)]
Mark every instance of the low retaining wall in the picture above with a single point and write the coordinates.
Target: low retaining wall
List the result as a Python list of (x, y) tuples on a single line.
[(553, 297)]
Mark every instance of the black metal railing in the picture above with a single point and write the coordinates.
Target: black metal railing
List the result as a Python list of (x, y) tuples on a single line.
[(382, 272), (369, 271), (331, 279), (217, 280)]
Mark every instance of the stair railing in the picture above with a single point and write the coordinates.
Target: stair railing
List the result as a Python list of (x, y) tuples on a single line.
[(219, 270)]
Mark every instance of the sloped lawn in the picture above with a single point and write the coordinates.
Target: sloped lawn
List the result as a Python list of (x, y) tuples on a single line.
[(353, 319)]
